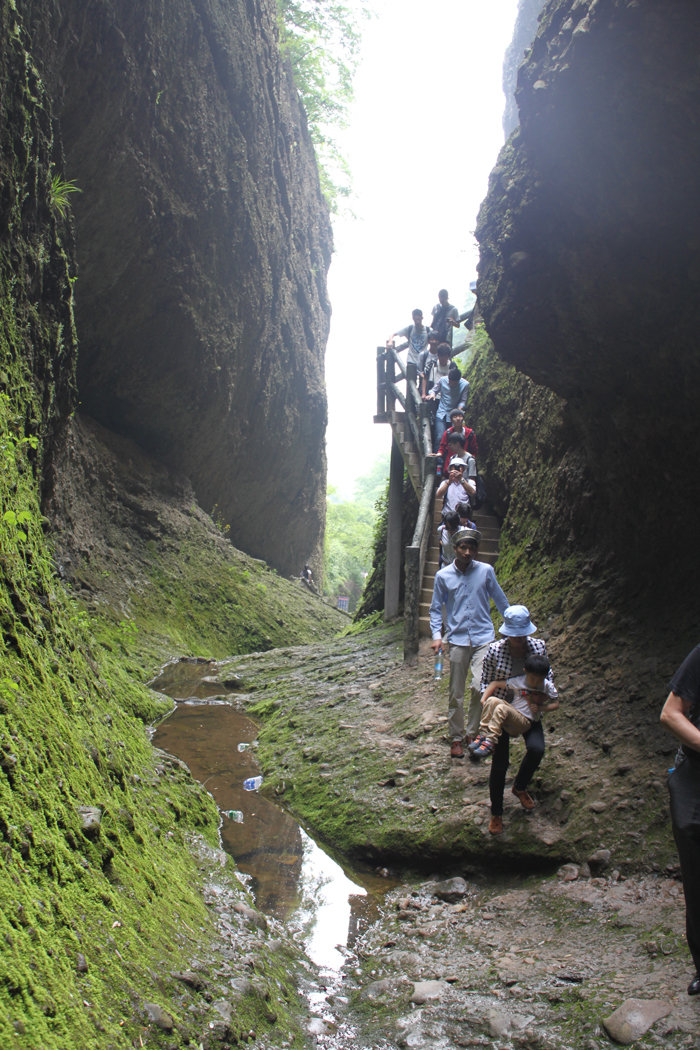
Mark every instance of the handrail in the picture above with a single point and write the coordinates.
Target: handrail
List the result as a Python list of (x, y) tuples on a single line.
[(414, 566), (417, 420)]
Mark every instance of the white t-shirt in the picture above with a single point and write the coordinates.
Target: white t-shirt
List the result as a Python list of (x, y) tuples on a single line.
[(417, 342), (517, 690)]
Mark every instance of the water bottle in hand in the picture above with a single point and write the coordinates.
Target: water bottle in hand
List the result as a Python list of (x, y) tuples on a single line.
[(438, 665), (252, 783)]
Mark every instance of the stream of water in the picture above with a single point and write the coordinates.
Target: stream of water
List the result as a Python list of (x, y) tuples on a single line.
[(290, 875)]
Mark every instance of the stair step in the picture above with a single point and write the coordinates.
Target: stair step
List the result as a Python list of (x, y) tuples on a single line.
[(424, 627)]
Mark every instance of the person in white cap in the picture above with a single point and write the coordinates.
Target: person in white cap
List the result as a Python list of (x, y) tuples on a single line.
[(466, 589), (503, 660), (457, 488)]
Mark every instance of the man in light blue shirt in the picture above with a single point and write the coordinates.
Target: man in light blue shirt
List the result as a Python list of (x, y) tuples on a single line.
[(465, 588), (451, 392)]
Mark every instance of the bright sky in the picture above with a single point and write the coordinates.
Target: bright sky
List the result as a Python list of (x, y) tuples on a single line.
[(429, 86)]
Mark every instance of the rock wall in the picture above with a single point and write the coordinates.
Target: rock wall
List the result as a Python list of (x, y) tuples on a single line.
[(203, 241), (523, 35), (588, 279)]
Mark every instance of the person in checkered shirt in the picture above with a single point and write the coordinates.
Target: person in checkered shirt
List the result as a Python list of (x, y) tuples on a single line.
[(505, 659)]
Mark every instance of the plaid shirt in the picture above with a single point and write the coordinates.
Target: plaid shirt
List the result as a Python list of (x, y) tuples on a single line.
[(498, 663)]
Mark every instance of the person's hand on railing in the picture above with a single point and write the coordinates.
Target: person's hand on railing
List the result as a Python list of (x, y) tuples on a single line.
[(390, 343)]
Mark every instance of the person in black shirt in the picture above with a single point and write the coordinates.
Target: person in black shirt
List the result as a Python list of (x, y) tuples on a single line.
[(681, 716)]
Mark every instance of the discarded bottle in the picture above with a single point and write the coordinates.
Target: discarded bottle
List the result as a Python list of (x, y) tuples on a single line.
[(235, 815), (252, 783), (438, 665), (243, 747)]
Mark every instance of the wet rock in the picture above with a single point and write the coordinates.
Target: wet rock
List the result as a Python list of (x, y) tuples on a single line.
[(242, 986), (251, 916), (158, 1016), (499, 1023), (90, 818), (81, 963), (224, 1009), (425, 990), (599, 860), (568, 872), (451, 890), (388, 988), (636, 1016), (190, 978)]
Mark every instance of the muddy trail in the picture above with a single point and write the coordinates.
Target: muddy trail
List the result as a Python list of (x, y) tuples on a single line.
[(401, 929)]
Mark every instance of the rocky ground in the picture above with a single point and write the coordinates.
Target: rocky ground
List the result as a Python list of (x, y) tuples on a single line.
[(519, 962), (355, 744), (565, 931)]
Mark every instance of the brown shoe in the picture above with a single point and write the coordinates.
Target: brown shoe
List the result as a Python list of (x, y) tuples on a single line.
[(526, 801), (457, 751), (496, 825)]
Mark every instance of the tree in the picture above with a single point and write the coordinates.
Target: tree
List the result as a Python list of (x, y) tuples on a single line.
[(322, 40)]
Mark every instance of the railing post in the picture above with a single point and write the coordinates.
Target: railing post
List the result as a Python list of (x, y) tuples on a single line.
[(381, 381), (411, 606), (390, 378), (392, 575)]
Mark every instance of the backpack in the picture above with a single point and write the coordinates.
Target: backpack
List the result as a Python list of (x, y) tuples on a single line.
[(480, 497)]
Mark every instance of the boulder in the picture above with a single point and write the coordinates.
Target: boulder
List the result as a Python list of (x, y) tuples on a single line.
[(425, 990), (158, 1016), (568, 872), (451, 890), (636, 1016), (599, 860), (90, 818)]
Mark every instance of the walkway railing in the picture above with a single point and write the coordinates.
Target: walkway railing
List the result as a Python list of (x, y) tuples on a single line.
[(398, 382), (391, 372)]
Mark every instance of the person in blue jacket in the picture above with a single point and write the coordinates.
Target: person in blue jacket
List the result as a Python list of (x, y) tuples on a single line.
[(465, 588)]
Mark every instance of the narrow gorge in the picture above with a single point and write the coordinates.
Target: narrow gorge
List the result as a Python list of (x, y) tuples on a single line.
[(162, 380)]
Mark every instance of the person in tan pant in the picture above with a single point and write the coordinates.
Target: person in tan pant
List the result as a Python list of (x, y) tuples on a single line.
[(527, 698)]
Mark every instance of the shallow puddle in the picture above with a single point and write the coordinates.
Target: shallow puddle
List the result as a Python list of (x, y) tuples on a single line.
[(291, 876)]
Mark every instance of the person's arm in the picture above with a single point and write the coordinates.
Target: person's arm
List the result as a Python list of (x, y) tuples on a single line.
[(469, 486), (673, 718), (443, 488), (488, 668), (491, 689), (495, 592), (436, 613)]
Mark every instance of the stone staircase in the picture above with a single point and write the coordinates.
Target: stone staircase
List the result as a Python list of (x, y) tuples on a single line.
[(490, 531)]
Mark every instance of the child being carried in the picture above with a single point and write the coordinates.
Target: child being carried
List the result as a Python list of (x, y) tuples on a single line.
[(529, 696)]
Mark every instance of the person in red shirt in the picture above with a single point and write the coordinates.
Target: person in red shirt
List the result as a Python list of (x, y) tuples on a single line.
[(443, 452)]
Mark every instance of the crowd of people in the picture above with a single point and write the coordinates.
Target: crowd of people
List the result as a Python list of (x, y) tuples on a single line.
[(511, 684)]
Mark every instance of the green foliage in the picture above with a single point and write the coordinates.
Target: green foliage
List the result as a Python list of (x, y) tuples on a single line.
[(372, 486), (61, 190), (347, 548), (322, 39)]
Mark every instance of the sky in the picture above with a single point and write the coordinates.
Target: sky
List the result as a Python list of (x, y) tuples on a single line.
[(424, 133)]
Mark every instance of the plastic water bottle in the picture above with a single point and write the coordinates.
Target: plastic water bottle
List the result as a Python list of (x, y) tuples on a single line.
[(243, 747), (252, 783), (438, 665), (235, 815)]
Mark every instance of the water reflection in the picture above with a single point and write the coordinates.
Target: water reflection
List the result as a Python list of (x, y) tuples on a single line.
[(291, 876), (268, 844)]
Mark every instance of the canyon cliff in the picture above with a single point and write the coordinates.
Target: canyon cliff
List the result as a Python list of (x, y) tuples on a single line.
[(203, 242), (588, 278)]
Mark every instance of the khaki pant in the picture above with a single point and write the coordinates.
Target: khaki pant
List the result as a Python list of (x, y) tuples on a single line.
[(498, 715), (461, 656)]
